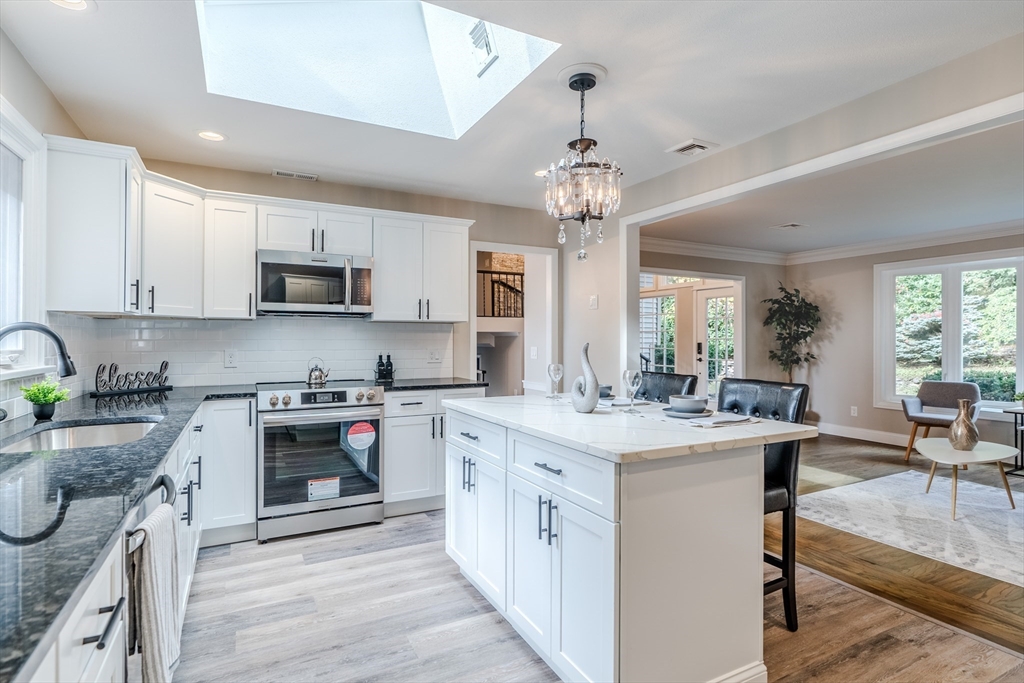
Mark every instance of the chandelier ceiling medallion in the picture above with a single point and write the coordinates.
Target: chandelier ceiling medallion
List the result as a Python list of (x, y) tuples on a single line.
[(582, 187)]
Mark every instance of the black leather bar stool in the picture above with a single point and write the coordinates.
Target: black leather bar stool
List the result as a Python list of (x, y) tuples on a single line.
[(788, 403), (658, 386)]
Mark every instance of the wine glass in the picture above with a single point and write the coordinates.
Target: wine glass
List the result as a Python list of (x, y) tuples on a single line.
[(555, 373), (632, 379)]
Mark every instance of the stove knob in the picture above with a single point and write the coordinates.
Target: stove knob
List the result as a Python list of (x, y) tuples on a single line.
[(273, 400), (287, 400), (371, 394), (359, 396)]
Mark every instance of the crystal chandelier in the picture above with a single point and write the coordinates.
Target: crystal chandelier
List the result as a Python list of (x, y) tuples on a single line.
[(581, 187)]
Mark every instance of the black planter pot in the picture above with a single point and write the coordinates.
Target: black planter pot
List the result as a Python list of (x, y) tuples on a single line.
[(43, 411)]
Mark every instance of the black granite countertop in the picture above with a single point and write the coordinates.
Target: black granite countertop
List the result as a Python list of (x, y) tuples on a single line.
[(38, 580), (435, 383)]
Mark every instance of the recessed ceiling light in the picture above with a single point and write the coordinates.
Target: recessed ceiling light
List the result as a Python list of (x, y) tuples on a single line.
[(76, 5), (212, 136)]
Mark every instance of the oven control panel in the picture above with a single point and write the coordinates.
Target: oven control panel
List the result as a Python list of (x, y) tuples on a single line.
[(315, 398)]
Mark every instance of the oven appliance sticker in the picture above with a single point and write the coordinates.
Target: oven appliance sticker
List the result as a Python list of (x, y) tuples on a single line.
[(361, 435), (322, 489)]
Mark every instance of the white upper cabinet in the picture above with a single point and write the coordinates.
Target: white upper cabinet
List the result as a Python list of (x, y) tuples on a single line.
[(172, 251), (286, 228), (421, 271), (229, 263), (92, 214), (397, 270), (347, 234), (445, 272)]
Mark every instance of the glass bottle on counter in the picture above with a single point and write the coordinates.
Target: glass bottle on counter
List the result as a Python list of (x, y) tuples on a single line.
[(380, 366), (389, 369)]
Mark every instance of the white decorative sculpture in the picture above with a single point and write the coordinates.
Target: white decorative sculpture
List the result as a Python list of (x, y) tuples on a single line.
[(585, 390)]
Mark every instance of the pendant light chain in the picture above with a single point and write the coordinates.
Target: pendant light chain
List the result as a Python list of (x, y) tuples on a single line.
[(583, 107)]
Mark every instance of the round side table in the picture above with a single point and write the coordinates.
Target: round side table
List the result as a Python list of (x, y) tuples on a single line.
[(941, 451)]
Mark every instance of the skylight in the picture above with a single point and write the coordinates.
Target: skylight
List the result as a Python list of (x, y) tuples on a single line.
[(402, 64)]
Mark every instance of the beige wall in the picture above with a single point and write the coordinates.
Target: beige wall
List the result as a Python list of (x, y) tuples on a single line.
[(23, 88), (978, 78), (843, 376), (761, 282)]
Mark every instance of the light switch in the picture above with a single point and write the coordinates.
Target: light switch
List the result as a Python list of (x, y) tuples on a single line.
[(533, 353), (593, 302)]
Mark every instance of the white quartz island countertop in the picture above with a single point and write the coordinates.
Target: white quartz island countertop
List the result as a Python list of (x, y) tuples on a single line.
[(611, 434)]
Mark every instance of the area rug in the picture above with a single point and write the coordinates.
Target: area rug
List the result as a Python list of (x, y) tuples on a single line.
[(987, 536)]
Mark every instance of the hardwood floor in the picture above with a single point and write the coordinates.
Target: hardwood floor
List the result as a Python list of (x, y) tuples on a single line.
[(385, 603), (975, 603)]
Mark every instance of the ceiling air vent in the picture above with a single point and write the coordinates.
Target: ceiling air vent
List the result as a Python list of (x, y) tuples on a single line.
[(693, 147), (785, 227), (297, 175)]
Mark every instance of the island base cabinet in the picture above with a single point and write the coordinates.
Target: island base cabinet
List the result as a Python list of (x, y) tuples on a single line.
[(529, 562), (475, 533)]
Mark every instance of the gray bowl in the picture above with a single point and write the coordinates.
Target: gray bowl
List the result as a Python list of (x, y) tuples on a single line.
[(688, 404), (605, 389)]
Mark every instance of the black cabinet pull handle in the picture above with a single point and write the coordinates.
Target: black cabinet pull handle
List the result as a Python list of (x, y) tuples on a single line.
[(428, 309), (540, 518), (551, 533), (135, 305), (115, 616), (433, 428), (197, 428), (312, 241), (470, 436), (250, 304), (544, 466), (199, 461), (413, 403), (442, 426), (321, 240), (419, 309), (152, 299), (472, 484)]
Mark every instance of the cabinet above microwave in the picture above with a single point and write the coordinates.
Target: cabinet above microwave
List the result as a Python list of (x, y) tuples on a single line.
[(308, 283)]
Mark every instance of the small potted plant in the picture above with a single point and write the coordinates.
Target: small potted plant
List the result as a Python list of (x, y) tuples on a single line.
[(44, 397), (1019, 397)]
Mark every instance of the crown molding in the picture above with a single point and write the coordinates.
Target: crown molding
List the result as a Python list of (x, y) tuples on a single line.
[(60, 143), (657, 244), (978, 232)]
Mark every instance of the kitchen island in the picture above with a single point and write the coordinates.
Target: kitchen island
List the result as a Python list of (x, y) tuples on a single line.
[(621, 547)]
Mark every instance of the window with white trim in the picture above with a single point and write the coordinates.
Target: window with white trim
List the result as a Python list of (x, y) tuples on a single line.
[(957, 319), (11, 227)]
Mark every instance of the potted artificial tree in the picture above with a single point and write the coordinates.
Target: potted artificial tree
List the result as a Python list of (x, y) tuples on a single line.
[(795, 319), (44, 397)]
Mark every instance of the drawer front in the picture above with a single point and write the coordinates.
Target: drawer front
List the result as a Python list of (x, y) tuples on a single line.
[(454, 394), (477, 437), (405, 403), (590, 482), (87, 620)]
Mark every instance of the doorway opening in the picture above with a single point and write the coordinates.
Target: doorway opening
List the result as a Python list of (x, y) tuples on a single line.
[(692, 324)]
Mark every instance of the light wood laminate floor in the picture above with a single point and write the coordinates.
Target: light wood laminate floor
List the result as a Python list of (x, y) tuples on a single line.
[(979, 604), (385, 603)]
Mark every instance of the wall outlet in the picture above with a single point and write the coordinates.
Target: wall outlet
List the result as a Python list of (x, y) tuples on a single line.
[(853, 411), (231, 359), (593, 302), (533, 353), (433, 356)]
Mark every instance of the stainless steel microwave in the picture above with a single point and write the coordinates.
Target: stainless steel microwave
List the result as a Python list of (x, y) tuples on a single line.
[(308, 283)]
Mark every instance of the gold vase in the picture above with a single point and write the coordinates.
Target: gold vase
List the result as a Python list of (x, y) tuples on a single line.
[(963, 434)]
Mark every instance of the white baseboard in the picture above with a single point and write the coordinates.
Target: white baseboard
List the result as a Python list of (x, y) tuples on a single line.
[(863, 434), (752, 673)]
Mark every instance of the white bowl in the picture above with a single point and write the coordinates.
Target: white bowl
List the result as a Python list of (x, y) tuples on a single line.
[(688, 404)]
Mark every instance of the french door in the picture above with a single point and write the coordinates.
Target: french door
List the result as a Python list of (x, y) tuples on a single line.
[(719, 345)]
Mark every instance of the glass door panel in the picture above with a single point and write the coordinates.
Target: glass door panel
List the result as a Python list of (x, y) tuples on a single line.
[(989, 329)]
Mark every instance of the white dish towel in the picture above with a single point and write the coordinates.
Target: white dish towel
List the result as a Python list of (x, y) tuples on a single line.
[(155, 595)]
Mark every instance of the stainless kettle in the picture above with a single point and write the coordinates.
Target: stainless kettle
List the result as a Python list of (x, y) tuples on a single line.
[(317, 375)]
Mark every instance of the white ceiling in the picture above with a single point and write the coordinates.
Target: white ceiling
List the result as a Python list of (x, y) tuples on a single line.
[(132, 73), (974, 180)]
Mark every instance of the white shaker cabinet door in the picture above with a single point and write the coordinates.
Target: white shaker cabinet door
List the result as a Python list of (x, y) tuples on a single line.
[(528, 561), (583, 590), (410, 462), (397, 270), (286, 228), (228, 474), (172, 251), (230, 260), (347, 234), (445, 273), (487, 483), (460, 520), (133, 244)]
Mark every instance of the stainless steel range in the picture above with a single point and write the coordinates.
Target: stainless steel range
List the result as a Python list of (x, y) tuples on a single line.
[(319, 456)]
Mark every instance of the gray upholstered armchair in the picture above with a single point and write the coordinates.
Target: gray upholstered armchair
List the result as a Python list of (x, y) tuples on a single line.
[(937, 395)]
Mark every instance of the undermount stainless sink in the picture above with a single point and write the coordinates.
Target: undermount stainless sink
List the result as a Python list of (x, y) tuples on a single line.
[(83, 436)]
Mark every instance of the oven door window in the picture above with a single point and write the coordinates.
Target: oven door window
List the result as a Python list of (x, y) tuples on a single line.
[(308, 463)]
